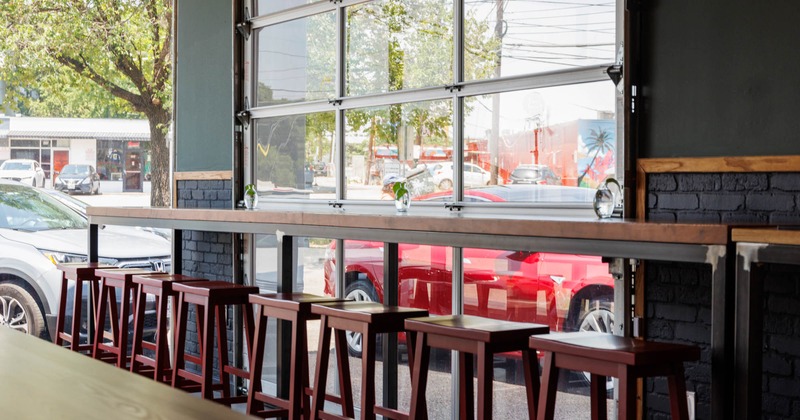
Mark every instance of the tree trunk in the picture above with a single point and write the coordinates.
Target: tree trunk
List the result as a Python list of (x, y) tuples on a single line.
[(159, 120)]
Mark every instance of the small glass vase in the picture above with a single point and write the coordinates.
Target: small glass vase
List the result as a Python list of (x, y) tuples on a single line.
[(606, 198), (402, 203), (250, 201)]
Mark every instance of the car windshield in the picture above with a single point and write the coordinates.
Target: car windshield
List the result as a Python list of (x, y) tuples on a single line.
[(75, 170), (25, 208), (526, 173), (15, 166)]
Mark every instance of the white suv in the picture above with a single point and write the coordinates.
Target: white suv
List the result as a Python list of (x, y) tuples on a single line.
[(474, 176), (38, 231)]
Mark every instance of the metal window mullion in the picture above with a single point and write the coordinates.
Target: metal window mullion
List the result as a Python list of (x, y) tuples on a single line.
[(482, 87), (300, 12), (339, 132), (535, 81), (457, 280)]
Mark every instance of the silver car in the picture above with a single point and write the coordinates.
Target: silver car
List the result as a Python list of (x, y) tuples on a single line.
[(38, 231)]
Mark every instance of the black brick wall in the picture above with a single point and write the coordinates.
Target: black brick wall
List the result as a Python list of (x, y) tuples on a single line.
[(207, 255), (678, 296), (728, 198)]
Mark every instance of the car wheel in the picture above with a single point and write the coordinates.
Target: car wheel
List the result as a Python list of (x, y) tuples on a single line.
[(598, 317), (20, 311), (446, 184), (359, 291)]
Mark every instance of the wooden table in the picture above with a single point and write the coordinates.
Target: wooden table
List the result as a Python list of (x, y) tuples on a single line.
[(613, 238), (39, 380), (754, 247)]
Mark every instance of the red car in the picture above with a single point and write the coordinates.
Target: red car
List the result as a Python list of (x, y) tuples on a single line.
[(567, 292)]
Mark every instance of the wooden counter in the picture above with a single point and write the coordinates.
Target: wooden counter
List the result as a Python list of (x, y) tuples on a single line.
[(586, 228), (39, 380), (612, 238)]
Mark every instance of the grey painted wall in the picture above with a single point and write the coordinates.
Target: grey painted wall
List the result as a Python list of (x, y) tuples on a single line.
[(204, 89), (722, 77)]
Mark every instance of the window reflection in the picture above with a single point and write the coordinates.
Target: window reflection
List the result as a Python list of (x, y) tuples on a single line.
[(296, 60), (271, 6), (397, 141), (524, 37), (399, 44), (556, 147), (294, 156)]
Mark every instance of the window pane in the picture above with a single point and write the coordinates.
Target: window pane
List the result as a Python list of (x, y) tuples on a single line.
[(265, 7), (289, 153), (547, 145), (387, 143), (297, 60), (536, 36), (399, 44)]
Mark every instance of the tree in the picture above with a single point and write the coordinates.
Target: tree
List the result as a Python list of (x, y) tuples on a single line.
[(121, 48)]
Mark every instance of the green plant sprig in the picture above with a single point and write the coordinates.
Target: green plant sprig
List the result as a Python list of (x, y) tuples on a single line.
[(250, 189), (399, 189)]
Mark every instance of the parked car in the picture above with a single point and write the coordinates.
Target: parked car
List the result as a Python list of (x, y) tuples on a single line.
[(534, 174), (37, 232), (474, 175), (26, 171), (565, 291), (80, 207), (75, 178)]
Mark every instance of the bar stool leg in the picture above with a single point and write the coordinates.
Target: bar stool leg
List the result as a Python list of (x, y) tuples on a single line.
[(485, 382), (368, 341), (677, 392), (207, 356), (547, 395), (77, 314), (627, 393), (296, 384), (138, 330), (222, 349), (345, 382), (162, 343), (122, 330), (321, 373), (419, 377), (256, 356), (598, 397), (531, 381), (178, 360), (465, 386), (100, 320)]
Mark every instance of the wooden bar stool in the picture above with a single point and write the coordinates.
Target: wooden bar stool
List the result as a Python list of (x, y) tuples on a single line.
[(605, 355), (211, 299), (159, 285), (470, 335), (113, 347), (80, 273), (369, 319), (295, 308)]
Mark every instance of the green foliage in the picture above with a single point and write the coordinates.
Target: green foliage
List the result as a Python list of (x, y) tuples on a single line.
[(98, 58), (250, 190), (399, 189)]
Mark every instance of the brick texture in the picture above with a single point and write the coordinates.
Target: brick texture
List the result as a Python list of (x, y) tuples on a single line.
[(207, 255), (678, 296)]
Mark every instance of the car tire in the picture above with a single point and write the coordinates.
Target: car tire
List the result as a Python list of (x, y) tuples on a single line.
[(360, 291), (19, 310), (446, 184)]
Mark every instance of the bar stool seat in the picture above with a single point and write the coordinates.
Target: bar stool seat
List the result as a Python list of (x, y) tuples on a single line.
[(80, 273), (160, 285), (211, 299), (295, 308), (370, 319), (470, 335), (605, 355), (113, 347)]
